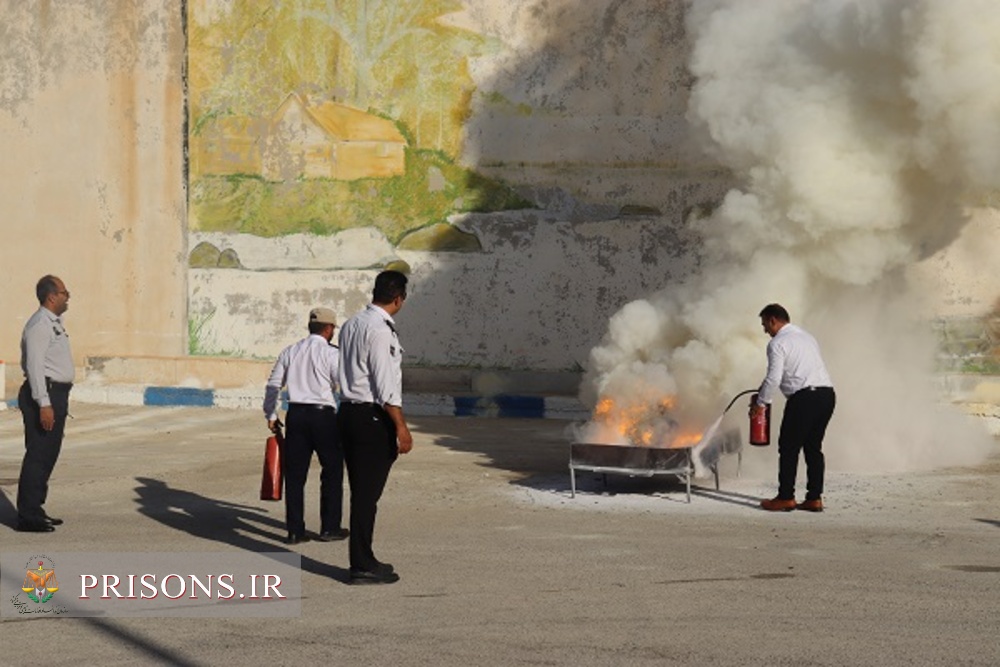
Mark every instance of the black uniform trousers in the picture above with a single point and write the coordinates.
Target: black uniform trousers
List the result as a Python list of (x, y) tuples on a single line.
[(369, 439), (803, 427), (41, 449), (309, 429)]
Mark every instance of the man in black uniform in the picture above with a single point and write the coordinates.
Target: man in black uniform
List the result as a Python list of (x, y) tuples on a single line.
[(44, 402), (373, 430)]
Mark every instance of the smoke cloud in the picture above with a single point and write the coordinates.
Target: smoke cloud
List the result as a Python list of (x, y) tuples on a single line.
[(858, 131)]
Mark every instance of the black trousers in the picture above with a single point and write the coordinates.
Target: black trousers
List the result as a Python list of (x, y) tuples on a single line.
[(41, 450), (803, 427), (309, 429), (369, 440)]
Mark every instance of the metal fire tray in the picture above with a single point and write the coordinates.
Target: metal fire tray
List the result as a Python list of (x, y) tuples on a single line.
[(633, 461)]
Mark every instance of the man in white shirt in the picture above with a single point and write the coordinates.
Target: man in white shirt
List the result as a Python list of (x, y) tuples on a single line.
[(44, 402), (373, 429), (309, 370), (795, 367)]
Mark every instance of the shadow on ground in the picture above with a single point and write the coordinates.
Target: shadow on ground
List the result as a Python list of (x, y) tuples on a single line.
[(8, 511), (241, 526)]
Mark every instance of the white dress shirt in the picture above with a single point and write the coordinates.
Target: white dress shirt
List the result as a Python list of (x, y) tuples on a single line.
[(309, 369), (45, 353), (793, 363), (371, 370)]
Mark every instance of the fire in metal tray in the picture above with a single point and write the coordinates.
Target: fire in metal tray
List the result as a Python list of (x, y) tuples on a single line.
[(644, 425)]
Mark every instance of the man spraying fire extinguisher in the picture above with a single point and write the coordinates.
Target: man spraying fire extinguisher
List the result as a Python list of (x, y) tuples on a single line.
[(795, 367)]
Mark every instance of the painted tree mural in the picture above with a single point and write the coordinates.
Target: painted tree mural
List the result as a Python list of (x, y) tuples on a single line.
[(396, 58), (350, 67)]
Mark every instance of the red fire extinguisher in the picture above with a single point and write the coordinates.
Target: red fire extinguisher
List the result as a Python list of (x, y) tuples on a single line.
[(760, 424), (272, 478)]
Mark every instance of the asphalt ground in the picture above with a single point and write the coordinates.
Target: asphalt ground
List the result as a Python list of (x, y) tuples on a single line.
[(500, 567)]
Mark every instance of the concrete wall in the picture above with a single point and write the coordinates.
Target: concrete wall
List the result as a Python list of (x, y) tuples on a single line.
[(578, 105), (92, 171), (537, 296)]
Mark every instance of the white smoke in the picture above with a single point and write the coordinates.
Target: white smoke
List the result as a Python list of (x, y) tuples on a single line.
[(858, 130)]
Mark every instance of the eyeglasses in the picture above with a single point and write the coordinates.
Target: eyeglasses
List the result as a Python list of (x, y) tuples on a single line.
[(66, 292)]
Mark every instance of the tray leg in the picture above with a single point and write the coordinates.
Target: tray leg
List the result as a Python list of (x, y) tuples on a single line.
[(687, 475), (572, 482)]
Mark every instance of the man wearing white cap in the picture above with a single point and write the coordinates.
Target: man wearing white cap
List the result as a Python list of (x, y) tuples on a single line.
[(309, 370)]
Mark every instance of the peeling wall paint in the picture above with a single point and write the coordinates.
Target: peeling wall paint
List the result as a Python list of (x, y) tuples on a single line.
[(537, 296)]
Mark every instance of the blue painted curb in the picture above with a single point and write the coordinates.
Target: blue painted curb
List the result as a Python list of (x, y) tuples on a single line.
[(204, 398), (504, 405)]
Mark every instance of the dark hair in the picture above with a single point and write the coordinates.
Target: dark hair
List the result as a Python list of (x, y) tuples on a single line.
[(46, 286), (317, 327), (777, 311), (388, 286)]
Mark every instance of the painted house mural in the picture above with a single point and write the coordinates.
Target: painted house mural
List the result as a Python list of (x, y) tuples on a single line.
[(302, 140), (330, 140)]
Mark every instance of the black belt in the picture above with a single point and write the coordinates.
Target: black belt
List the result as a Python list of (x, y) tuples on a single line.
[(313, 406), (805, 389), (347, 402), (52, 384)]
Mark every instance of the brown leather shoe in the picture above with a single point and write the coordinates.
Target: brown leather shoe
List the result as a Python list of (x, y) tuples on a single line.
[(814, 505), (778, 504)]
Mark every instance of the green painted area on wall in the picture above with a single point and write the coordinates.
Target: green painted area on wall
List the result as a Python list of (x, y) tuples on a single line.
[(431, 189)]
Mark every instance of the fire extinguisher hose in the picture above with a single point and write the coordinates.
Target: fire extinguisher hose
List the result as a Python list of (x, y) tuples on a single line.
[(742, 393)]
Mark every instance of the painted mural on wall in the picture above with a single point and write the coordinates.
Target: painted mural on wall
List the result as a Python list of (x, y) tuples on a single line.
[(315, 117), (322, 136), (499, 152)]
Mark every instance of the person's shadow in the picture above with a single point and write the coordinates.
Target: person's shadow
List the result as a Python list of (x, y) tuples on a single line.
[(242, 526), (8, 512)]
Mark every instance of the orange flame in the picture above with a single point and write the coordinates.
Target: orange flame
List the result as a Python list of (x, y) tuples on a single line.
[(644, 425), (687, 439)]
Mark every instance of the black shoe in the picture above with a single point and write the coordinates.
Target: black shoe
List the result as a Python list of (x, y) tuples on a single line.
[(333, 535), (383, 574), (53, 521), (296, 539), (35, 527)]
